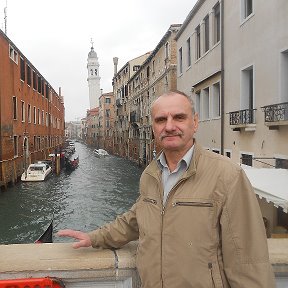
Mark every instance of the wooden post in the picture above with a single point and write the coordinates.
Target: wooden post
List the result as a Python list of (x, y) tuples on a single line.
[(57, 164)]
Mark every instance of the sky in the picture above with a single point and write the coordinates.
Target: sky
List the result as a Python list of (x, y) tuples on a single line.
[(55, 35)]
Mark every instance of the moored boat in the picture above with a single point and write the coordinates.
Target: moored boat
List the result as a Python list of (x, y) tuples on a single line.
[(71, 164), (36, 172)]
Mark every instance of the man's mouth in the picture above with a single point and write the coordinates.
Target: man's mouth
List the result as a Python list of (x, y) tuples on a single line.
[(170, 135)]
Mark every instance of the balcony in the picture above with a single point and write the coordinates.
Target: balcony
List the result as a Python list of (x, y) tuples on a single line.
[(243, 119), (275, 115)]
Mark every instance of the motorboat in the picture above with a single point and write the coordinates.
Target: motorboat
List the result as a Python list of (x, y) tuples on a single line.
[(100, 153), (36, 172)]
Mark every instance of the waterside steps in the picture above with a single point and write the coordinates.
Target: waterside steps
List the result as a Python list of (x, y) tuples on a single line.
[(88, 267)]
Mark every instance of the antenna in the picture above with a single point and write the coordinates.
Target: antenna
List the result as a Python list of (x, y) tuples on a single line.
[(5, 18), (92, 42)]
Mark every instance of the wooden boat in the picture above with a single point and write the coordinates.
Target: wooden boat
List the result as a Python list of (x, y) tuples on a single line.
[(36, 172), (71, 164)]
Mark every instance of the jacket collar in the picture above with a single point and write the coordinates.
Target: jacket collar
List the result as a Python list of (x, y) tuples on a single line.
[(154, 170)]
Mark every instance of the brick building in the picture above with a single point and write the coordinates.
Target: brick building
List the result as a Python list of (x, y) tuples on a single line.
[(31, 113)]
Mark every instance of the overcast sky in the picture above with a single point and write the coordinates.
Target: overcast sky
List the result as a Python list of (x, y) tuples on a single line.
[(55, 36)]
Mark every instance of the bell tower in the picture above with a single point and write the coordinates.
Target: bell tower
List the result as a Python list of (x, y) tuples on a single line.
[(93, 78)]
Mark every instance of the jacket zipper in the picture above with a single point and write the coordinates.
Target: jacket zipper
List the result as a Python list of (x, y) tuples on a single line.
[(192, 203), (211, 273)]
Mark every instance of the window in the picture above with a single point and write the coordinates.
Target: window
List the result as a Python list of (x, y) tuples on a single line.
[(198, 43), (167, 50), (197, 104), (46, 90), (29, 113), (108, 113), (22, 111), (13, 54), (247, 88), (246, 159), (43, 118), (281, 163), (206, 98), (39, 116), (284, 77), (34, 80), (14, 99), (188, 52), (22, 69), (206, 33), (246, 8), (39, 84), (34, 115), (28, 72), (216, 100), (15, 138), (47, 119), (180, 61), (228, 154), (107, 100), (216, 23)]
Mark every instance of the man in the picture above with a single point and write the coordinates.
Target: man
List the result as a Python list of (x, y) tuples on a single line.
[(197, 217)]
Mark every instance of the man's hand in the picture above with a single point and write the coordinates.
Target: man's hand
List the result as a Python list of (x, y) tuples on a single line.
[(84, 239)]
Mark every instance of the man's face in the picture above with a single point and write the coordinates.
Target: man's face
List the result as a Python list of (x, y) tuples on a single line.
[(173, 123)]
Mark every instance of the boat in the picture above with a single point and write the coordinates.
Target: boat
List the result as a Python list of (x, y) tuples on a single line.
[(71, 164), (36, 172), (100, 153)]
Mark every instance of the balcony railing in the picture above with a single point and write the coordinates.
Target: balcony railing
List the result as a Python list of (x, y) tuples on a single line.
[(119, 102), (242, 117), (276, 112)]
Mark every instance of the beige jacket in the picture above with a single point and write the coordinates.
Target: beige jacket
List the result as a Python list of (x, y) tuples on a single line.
[(209, 234)]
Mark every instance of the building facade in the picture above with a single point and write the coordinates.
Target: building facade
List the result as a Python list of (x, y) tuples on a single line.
[(235, 65), (32, 113), (106, 121), (120, 91)]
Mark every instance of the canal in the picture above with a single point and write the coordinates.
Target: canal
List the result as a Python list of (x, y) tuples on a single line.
[(84, 199)]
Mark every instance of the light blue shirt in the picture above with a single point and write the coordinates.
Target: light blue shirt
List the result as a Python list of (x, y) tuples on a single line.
[(169, 179)]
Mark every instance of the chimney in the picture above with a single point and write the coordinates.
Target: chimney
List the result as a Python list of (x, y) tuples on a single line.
[(115, 61)]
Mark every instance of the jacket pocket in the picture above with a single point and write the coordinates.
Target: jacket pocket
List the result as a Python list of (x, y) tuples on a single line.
[(215, 275), (150, 200), (193, 203)]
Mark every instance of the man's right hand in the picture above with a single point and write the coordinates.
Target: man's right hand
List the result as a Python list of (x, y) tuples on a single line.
[(84, 239)]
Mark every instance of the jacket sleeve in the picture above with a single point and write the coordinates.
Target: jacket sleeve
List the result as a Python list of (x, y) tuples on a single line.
[(117, 233), (244, 242)]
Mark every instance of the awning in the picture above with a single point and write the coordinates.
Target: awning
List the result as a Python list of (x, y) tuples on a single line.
[(269, 183)]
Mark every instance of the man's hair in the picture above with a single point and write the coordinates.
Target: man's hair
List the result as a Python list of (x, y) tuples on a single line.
[(173, 92)]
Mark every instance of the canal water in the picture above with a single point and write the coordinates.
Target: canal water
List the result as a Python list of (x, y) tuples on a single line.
[(84, 199)]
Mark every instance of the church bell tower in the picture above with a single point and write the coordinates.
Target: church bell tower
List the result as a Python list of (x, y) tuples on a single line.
[(93, 78)]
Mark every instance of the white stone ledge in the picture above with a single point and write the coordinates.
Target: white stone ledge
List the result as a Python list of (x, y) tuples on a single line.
[(87, 265)]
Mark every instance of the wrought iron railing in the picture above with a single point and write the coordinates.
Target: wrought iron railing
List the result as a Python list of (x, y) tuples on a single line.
[(276, 112), (246, 116)]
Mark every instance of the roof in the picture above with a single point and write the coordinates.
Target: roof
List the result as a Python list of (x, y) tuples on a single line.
[(269, 183)]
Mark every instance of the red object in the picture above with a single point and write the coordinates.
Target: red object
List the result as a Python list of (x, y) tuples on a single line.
[(47, 282)]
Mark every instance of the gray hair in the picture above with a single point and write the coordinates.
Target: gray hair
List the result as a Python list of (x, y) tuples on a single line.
[(174, 92)]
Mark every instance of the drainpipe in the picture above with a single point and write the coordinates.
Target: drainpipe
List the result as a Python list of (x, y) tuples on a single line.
[(222, 77)]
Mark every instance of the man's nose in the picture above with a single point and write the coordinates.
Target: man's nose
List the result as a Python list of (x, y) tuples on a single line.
[(170, 124)]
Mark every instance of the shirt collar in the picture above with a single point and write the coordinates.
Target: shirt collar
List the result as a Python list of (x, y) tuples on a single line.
[(161, 160)]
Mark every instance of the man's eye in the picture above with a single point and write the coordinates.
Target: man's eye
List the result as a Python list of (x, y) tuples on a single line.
[(160, 120)]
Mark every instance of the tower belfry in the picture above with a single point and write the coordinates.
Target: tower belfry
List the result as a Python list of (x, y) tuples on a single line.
[(93, 78)]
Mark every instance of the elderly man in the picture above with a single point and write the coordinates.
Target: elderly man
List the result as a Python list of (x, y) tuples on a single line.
[(197, 218)]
